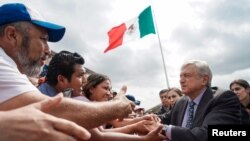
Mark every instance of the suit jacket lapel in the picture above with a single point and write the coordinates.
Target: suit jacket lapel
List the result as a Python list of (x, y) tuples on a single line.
[(203, 105), (182, 110)]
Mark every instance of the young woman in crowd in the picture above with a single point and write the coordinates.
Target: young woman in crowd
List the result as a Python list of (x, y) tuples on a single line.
[(173, 95), (98, 88), (242, 89)]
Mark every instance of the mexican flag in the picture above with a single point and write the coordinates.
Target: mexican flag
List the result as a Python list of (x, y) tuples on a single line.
[(131, 30)]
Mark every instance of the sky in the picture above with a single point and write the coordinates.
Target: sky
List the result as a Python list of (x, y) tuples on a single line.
[(216, 31)]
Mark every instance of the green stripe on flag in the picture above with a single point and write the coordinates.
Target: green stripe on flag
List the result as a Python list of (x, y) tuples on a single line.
[(146, 23)]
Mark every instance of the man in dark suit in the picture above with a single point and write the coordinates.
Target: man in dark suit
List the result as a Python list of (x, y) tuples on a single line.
[(201, 106)]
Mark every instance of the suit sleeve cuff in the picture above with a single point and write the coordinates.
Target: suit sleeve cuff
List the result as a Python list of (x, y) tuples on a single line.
[(168, 129)]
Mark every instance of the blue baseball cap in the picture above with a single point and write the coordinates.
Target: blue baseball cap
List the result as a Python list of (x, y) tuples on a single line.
[(132, 98), (14, 12)]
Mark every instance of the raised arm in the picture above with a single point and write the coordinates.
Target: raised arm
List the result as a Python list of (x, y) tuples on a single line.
[(29, 123), (88, 115)]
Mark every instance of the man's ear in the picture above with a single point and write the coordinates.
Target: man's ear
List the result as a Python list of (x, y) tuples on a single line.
[(11, 34), (205, 79), (61, 79)]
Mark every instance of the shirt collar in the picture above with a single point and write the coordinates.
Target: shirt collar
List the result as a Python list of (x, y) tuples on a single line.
[(198, 98)]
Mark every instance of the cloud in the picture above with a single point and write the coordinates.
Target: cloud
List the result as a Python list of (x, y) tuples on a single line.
[(223, 34), (215, 31)]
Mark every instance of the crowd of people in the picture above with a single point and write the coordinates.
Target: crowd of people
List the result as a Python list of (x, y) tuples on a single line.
[(70, 105)]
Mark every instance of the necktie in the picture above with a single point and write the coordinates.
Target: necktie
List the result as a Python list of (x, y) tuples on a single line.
[(190, 114)]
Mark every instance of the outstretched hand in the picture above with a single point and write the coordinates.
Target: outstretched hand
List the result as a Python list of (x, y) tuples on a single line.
[(127, 106), (30, 123), (155, 135)]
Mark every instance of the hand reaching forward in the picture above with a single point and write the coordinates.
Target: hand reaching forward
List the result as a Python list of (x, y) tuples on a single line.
[(153, 125), (30, 123), (126, 106), (141, 128), (155, 135), (147, 123)]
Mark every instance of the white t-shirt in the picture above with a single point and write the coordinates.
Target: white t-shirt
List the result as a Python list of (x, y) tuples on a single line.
[(12, 82)]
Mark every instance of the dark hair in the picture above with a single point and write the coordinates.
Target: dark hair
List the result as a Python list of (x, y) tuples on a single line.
[(178, 91), (21, 26), (114, 93), (240, 82), (62, 64), (163, 91), (92, 81)]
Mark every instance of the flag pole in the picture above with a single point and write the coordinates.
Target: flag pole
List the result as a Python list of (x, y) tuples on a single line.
[(160, 45)]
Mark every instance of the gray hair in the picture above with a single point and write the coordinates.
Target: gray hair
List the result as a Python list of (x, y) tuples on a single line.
[(21, 26), (202, 68)]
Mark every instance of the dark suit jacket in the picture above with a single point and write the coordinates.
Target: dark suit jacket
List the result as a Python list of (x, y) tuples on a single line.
[(163, 114), (221, 107)]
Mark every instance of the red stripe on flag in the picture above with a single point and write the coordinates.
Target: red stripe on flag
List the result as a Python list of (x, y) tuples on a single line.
[(116, 36)]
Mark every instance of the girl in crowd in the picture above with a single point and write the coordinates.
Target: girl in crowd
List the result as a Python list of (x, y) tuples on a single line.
[(173, 95), (98, 88)]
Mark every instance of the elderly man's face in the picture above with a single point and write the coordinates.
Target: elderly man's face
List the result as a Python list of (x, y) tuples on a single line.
[(34, 50), (191, 81)]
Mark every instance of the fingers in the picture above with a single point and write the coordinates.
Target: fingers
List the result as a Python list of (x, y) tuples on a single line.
[(55, 135), (158, 129), (49, 103), (71, 128), (158, 132), (152, 117), (147, 117), (150, 125), (148, 122), (125, 103), (122, 93), (156, 118), (123, 90), (132, 106)]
